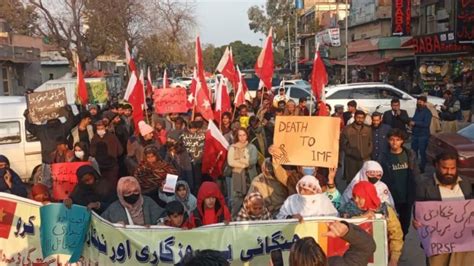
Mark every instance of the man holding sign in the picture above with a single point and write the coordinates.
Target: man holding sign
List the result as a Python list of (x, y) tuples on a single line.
[(445, 241)]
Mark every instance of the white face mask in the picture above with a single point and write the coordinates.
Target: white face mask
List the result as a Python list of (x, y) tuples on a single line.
[(101, 132), (79, 154)]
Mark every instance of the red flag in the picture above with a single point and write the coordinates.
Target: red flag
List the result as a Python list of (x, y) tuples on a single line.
[(226, 67), (81, 84), (200, 67), (135, 96), (128, 57), (264, 64), (192, 90), (7, 213), (149, 85), (203, 105), (319, 77), (222, 100), (242, 89), (215, 149), (165, 80)]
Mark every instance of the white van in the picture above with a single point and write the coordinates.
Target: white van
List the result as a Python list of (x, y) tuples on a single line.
[(18, 145)]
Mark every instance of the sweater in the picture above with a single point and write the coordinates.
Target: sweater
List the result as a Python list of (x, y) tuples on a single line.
[(116, 212)]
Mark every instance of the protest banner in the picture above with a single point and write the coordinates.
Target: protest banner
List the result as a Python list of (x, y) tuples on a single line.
[(64, 178), (63, 230), (307, 140), (170, 101), (447, 226), (45, 105), (243, 243), (98, 91)]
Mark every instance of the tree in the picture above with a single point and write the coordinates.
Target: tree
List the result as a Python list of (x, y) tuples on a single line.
[(21, 17), (276, 14)]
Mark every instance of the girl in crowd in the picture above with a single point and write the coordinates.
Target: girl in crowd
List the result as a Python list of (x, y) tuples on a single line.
[(366, 203), (152, 171), (371, 171), (136, 146), (310, 201), (81, 154), (132, 208), (242, 158), (183, 195), (40, 193), (211, 207), (253, 209), (225, 127)]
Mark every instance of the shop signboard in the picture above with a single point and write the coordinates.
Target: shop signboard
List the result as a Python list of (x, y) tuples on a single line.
[(329, 37), (465, 21), (437, 43), (401, 17)]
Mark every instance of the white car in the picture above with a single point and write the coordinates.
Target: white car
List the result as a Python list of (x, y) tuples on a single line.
[(181, 82), (300, 83), (374, 96), (295, 93)]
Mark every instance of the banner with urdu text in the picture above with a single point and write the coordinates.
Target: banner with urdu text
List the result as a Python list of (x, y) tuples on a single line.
[(107, 244)]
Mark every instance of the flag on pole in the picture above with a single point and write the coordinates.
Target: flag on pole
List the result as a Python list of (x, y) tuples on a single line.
[(200, 67), (239, 98), (215, 148), (222, 100), (192, 90), (135, 96), (264, 64), (129, 59), (149, 85), (226, 67), (82, 94), (202, 103), (165, 80), (319, 79)]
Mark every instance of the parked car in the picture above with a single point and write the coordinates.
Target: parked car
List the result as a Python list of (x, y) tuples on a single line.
[(159, 82), (300, 83), (461, 143), (374, 96), (16, 143), (181, 82)]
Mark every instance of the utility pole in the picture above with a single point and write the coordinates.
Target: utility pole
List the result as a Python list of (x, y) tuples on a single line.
[(297, 47), (289, 45), (346, 70)]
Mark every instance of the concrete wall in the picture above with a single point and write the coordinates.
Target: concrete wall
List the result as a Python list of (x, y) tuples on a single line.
[(20, 77), (57, 70)]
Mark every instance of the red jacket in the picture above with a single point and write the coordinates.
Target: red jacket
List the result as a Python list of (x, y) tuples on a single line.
[(222, 213)]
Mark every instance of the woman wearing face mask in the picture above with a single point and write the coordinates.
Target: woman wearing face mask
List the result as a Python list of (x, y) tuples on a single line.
[(242, 158), (132, 208), (81, 154), (310, 201), (371, 171), (10, 182), (253, 209), (365, 203)]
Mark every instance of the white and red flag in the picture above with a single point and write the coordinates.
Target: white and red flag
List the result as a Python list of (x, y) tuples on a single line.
[(129, 59), (319, 79), (264, 64), (215, 149), (149, 85), (202, 103), (227, 68), (135, 95), (242, 89), (200, 67), (222, 100)]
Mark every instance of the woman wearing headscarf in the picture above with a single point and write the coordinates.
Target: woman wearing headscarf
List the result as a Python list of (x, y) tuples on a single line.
[(253, 209), (182, 194), (371, 171), (152, 171), (211, 207), (366, 203), (40, 193), (310, 201), (81, 154), (242, 158), (132, 208), (86, 192), (10, 181)]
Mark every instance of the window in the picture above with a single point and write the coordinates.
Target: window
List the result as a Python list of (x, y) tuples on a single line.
[(467, 132), (10, 132), (367, 93), (342, 94), (30, 137), (296, 93), (6, 87), (386, 93)]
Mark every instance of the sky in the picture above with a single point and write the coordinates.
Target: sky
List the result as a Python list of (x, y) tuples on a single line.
[(221, 22)]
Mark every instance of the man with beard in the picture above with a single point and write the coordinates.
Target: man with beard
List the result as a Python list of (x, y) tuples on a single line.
[(356, 143), (379, 136), (396, 118), (445, 185), (47, 135), (420, 125)]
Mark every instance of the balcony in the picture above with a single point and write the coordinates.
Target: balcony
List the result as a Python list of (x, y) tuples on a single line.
[(19, 54)]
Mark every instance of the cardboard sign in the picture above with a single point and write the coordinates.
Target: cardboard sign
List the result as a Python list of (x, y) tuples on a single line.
[(46, 105), (64, 178), (170, 101), (447, 226), (307, 141), (170, 183), (401, 17)]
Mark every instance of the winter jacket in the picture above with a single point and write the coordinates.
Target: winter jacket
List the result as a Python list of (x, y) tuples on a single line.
[(379, 137), (243, 163), (422, 119), (356, 142), (75, 138), (18, 188), (189, 202), (207, 190), (106, 150), (152, 176), (116, 212), (428, 190), (452, 111), (396, 121)]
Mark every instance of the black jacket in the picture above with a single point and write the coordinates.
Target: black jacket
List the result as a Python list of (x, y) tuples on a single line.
[(413, 174), (398, 121), (429, 191), (362, 247)]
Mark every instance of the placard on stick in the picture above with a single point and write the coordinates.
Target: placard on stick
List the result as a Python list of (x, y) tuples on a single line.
[(307, 140), (46, 105)]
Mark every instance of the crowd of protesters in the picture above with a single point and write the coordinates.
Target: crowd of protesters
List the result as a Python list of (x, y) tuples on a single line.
[(129, 164)]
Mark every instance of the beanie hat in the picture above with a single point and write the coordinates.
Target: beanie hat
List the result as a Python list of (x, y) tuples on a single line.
[(144, 128)]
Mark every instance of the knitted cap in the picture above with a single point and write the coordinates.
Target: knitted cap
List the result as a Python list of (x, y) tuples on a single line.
[(144, 128)]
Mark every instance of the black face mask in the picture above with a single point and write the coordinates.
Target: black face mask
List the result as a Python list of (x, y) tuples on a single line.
[(373, 180), (131, 199)]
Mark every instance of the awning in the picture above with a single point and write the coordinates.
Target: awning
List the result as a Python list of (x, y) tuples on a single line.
[(363, 60), (383, 43), (363, 46)]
